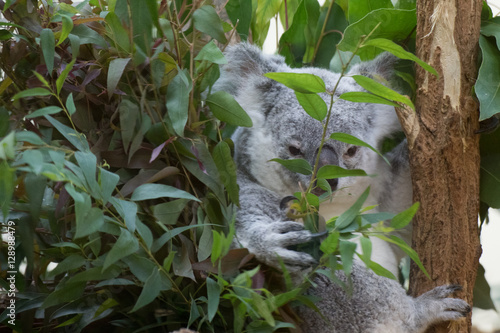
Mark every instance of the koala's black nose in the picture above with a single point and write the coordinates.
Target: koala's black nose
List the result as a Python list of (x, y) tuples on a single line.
[(333, 183)]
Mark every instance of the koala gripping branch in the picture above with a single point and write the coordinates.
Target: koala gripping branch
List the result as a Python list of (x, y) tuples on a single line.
[(444, 151)]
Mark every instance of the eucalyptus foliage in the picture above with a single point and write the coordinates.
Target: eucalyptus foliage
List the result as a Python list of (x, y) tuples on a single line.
[(116, 160)]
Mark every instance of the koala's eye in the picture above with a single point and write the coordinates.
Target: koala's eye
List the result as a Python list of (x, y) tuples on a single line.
[(294, 151), (351, 151)]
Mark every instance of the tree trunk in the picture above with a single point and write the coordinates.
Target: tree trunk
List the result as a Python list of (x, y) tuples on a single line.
[(444, 150)]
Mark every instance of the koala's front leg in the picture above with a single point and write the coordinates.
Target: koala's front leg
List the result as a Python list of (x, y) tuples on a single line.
[(435, 307), (264, 230)]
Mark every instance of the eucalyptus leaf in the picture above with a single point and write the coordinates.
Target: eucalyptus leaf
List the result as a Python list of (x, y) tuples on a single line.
[(227, 170), (350, 139), (300, 82), (298, 165), (366, 97), (313, 104), (334, 171), (381, 90), (225, 108), (389, 23), (487, 86), (48, 44), (178, 101), (126, 244), (115, 72), (44, 111), (33, 92), (398, 51), (155, 191), (206, 20)]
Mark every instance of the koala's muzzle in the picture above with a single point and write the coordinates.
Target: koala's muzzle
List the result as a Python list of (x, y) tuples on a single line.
[(329, 157)]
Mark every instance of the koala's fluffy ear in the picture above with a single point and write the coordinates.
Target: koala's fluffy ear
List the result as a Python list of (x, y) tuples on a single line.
[(246, 63), (381, 68)]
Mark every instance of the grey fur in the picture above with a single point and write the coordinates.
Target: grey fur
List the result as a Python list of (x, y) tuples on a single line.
[(281, 129)]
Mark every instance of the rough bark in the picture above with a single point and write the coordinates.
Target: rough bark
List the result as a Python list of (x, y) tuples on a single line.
[(444, 150)]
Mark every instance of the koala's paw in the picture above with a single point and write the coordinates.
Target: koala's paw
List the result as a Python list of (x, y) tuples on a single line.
[(275, 239), (435, 305)]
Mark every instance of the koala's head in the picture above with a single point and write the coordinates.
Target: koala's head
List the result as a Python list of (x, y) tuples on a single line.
[(282, 129)]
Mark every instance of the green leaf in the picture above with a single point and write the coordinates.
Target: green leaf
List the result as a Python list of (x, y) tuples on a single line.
[(70, 104), (206, 20), (334, 171), (240, 12), (108, 181), (69, 292), (127, 210), (44, 111), (142, 13), (359, 8), (75, 45), (225, 108), (393, 24), (398, 51), (88, 36), (169, 212), (67, 26), (155, 191), (211, 53), (115, 72), (8, 147), (168, 235), (76, 139), (227, 170), (402, 219), (327, 49), (298, 165), (205, 243), (7, 186), (124, 246), (118, 34), (178, 101), (366, 97), (381, 90), (129, 116), (69, 263), (347, 250), (491, 28), (48, 44), (297, 44), (33, 92), (347, 138), (488, 80), (34, 158), (64, 74), (263, 309), (42, 80), (313, 104), (482, 291), (213, 295), (301, 82), (265, 10), (349, 215), (330, 244), (88, 162), (30, 137)]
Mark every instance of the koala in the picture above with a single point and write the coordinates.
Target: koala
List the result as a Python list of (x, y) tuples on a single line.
[(282, 129)]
